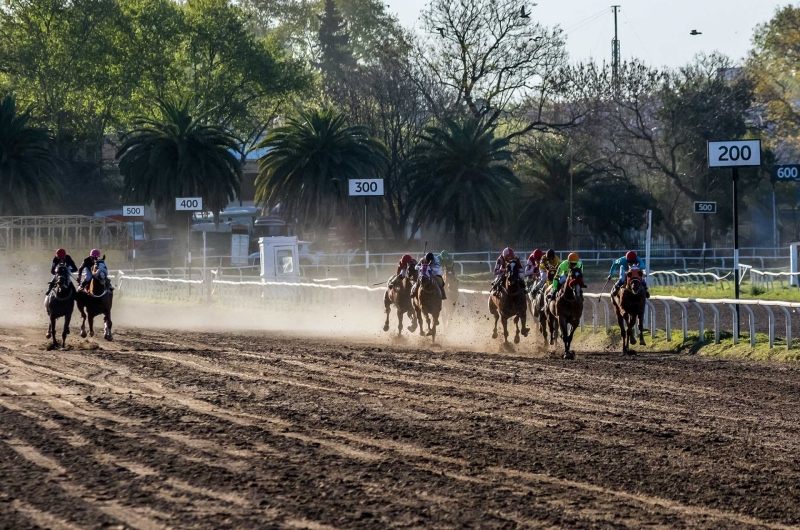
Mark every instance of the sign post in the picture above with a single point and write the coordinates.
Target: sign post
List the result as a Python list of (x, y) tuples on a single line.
[(705, 208), (366, 188), (134, 211), (782, 173), (735, 154), (189, 204)]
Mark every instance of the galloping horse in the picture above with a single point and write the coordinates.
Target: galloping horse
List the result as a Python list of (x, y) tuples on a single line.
[(400, 296), (510, 300), (629, 304), (428, 302), (451, 287), (539, 309), (567, 310), (60, 302), (96, 300)]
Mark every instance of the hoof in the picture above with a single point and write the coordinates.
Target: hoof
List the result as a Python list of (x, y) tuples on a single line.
[(494, 335), (569, 355), (48, 335), (633, 340), (386, 327), (525, 332), (412, 329), (516, 339), (108, 337), (51, 346), (91, 333), (83, 334)]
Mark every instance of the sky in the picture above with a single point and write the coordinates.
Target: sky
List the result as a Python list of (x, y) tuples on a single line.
[(656, 31)]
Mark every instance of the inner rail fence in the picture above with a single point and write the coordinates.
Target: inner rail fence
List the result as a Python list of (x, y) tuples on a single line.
[(289, 296)]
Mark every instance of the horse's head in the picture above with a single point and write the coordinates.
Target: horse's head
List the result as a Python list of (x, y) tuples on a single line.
[(513, 283), (574, 283), (99, 270), (63, 278), (634, 280)]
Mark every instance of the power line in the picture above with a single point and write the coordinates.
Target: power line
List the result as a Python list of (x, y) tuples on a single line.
[(585, 21), (600, 35), (633, 28)]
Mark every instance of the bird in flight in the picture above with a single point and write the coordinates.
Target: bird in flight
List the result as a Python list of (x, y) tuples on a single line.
[(441, 31), (523, 14), (695, 32)]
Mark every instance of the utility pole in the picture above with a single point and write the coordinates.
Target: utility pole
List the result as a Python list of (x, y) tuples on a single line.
[(615, 55)]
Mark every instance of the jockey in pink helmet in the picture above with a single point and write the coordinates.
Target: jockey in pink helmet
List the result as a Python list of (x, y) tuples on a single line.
[(85, 270), (506, 257)]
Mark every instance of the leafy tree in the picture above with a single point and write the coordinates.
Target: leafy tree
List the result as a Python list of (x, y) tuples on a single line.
[(616, 206), (461, 179), (308, 162), (176, 154), (27, 168), (551, 173), (496, 64), (335, 55)]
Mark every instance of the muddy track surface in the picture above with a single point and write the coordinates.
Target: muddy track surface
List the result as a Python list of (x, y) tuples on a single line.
[(168, 429)]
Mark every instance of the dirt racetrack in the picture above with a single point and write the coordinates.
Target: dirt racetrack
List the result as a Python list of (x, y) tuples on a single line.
[(185, 429)]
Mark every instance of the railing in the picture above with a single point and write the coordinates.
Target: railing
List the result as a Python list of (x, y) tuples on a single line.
[(766, 279), (692, 278), (287, 296), (48, 232)]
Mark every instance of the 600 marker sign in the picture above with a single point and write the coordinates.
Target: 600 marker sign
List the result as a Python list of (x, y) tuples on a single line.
[(788, 173)]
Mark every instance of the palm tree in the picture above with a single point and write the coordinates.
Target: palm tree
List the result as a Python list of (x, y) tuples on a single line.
[(309, 160), (461, 179), (178, 155), (27, 167), (551, 179)]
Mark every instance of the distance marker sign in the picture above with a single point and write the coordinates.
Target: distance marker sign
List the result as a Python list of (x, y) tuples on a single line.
[(705, 207), (133, 211), (734, 153), (189, 204), (785, 173), (365, 187)]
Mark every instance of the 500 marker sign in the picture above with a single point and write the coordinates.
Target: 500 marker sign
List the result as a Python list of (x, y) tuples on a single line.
[(705, 207), (133, 211)]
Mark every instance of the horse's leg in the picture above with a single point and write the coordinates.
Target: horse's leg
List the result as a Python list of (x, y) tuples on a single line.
[(552, 323), (91, 322), (435, 325), (622, 331), (83, 320), (412, 316), (428, 322), (505, 329), (641, 328), (631, 328), (418, 310), (570, 354), (51, 331), (64, 334), (107, 329), (496, 314), (516, 326), (387, 303), (566, 337), (524, 318), (399, 321)]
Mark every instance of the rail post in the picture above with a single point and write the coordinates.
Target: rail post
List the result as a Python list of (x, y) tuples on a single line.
[(788, 316), (716, 322), (652, 307), (752, 322), (735, 324), (702, 329), (684, 320), (771, 325), (667, 320)]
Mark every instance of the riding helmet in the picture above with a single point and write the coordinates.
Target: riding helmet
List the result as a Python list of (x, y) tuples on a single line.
[(631, 256), (536, 254), (95, 253), (61, 253), (573, 257), (508, 253), (550, 253), (429, 257)]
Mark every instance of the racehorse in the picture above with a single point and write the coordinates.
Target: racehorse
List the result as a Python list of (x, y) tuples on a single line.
[(400, 296), (629, 305), (539, 309), (60, 302), (510, 300), (567, 310), (96, 300), (451, 287), (428, 302)]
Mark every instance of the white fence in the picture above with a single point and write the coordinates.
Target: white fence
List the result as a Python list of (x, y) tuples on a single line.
[(286, 296)]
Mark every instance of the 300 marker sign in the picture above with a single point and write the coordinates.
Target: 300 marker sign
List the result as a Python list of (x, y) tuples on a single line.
[(366, 187)]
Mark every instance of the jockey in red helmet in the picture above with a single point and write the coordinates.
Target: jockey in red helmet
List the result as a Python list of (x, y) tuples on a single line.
[(60, 257), (532, 268), (432, 268), (625, 264), (506, 257), (402, 269)]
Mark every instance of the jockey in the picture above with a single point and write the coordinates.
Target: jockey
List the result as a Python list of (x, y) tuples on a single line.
[(532, 271), (446, 260), (88, 263), (402, 269), (627, 262), (548, 265), (60, 257), (566, 268), (433, 270), (506, 257)]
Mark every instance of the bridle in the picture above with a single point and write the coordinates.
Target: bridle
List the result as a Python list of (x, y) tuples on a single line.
[(63, 283)]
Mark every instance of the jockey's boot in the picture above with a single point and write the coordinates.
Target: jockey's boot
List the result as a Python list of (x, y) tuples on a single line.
[(390, 283), (440, 285), (615, 290), (646, 292)]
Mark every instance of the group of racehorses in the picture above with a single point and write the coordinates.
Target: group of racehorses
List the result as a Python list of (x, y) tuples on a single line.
[(559, 316), (94, 300)]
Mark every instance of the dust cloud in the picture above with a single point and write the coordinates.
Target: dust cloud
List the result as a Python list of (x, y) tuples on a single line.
[(23, 286)]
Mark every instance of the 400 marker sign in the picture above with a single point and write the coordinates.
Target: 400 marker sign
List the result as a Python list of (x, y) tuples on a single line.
[(189, 204)]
